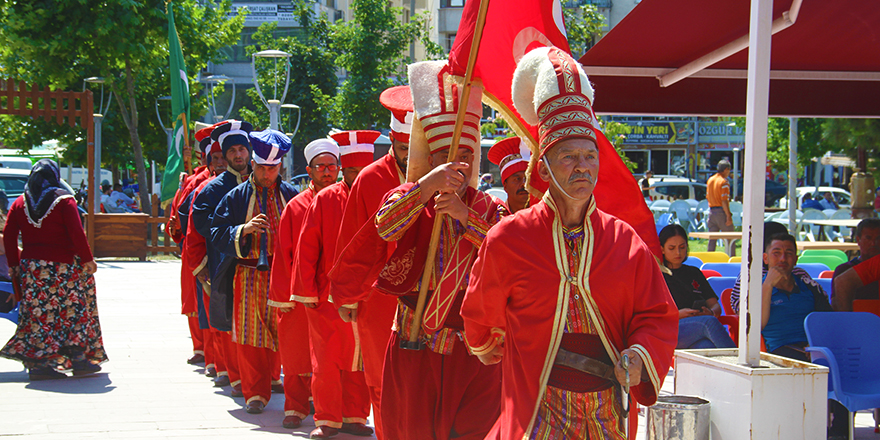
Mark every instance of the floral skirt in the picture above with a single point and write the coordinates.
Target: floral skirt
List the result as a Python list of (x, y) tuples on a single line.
[(58, 317)]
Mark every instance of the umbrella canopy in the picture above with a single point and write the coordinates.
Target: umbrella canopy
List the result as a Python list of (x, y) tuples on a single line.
[(825, 59)]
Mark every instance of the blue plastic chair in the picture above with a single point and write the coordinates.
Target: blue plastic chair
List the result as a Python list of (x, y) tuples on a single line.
[(814, 269), (694, 261), (847, 343), (725, 269), (12, 315), (663, 221), (720, 283), (826, 285)]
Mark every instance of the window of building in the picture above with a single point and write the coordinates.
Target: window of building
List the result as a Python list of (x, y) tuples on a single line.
[(452, 3), (450, 40)]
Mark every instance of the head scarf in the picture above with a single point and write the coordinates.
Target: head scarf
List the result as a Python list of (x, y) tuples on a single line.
[(43, 191)]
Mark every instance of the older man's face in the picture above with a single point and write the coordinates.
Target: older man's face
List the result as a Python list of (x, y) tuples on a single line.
[(575, 165)]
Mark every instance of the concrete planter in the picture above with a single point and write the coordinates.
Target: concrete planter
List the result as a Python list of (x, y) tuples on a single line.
[(782, 399)]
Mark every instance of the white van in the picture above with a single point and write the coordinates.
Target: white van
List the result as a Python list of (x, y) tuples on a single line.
[(19, 163)]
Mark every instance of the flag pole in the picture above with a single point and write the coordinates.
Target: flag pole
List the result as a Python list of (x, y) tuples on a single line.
[(412, 341), (186, 151)]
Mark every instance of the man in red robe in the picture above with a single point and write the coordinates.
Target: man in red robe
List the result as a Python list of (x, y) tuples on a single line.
[(564, 282), (322, 156), (432, 387), (512, 157), (342, 402), (350, 287)]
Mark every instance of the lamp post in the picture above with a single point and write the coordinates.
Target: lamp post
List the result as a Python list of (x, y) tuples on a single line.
[(168, 134), (291, 134), (99, 119), (735, 162), (211, 82), (274, 104)]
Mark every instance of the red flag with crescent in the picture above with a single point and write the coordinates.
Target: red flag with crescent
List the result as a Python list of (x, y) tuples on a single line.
[(512, 29)]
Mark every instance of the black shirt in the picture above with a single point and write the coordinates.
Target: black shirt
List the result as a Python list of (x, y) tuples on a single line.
[(645, 187), (687, 285)]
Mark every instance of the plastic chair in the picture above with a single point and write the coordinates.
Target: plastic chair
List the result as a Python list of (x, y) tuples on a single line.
[(12, 315), (841, 214), (825, 283), (811, 232), (735, 260), (867, 305), (682, 211), (835, 252), (703, 211), (693, 261), (826, 274), (725, 269), (660, 204), (663, 221), (708, 273), (847, 344), (832, 261), (720, 284), (814, 269), (725, 302), (711, 257), (736, 210)]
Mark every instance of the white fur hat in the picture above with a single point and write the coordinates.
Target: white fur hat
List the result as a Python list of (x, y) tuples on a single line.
[(551, 90)]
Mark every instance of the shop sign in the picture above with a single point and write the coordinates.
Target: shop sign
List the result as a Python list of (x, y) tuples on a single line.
[(659, 133), (719, 133), (259, 13)]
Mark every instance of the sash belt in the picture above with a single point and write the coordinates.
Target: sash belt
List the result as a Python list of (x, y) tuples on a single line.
[(585, 364), (251, 262)]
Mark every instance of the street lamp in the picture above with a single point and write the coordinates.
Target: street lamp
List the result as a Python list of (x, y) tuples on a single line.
[(735, 162), (168, 134), (291, 134), (99, 119), (274, 104), (212, 81)]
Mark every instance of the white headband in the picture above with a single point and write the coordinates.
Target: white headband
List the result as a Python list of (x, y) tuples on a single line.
[(402, 127)]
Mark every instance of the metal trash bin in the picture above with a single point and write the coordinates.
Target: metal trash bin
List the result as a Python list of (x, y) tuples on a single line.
[(678, 417)]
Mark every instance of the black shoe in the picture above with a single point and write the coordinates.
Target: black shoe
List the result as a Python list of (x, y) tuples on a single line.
[(255, 407), (45, 373), (211, 372), (196, 359), (221, 381), (236, 391), (85, 368)]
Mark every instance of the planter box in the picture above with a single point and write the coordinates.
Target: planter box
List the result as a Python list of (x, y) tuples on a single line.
[(783, 399)]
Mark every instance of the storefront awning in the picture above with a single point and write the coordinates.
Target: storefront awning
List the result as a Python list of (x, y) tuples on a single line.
[(824, 59)]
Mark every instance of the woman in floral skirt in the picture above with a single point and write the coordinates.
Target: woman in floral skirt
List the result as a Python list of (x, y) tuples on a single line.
[(58, 329)]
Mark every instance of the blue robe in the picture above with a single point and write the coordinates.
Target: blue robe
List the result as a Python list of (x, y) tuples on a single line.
[(229, 217), (202, 213)]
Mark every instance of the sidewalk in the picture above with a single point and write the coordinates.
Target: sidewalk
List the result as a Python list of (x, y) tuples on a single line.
[(147, 390)]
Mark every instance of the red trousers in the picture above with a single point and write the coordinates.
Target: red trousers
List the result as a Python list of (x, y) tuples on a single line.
[(293, 349), (196, 334), (227, 356), (210, 352), (374, 321), (340, 394), (427, 395), (257, 366)]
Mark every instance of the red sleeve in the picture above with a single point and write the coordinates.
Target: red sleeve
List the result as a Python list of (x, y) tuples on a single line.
[(868, 271), (304, 286), (282, 261), (75, 229), (484, 308), (12, 230)]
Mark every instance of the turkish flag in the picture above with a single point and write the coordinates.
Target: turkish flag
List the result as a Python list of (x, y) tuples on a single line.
[(512, 29)]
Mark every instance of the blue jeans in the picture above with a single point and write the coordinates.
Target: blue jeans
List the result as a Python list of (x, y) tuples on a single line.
[(703, 332)]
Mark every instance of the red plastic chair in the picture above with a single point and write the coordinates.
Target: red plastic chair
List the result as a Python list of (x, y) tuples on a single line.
[(710, 273), (725, 302), (826, 274)]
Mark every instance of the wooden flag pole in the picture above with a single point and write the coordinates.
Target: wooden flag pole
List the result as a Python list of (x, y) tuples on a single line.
[(186, 151), (412, 342)]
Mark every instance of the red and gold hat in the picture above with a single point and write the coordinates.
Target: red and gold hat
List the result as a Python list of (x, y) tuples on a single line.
[(206, 144), (399, 101), (356, 147), (436, 94), (511, 155)]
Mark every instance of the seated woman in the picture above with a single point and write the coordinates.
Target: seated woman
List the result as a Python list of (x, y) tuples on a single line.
[(698, 326)]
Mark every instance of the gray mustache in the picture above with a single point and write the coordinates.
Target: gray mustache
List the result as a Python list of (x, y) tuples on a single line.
[(576, 176)]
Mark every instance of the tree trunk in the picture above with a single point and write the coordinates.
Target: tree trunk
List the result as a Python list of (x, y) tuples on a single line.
[(130, 117)]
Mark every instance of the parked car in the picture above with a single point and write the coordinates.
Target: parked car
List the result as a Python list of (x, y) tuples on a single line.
[(675, 190), (14, 162), (13, 182), (841, 196), (773, 191)]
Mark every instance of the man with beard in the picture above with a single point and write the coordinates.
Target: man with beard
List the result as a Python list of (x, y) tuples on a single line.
[(512, 157), (361, 253), (342, 402), (236, 148), (193, 295), (563, 286), (435, 388), (322, 156), (243, 228)]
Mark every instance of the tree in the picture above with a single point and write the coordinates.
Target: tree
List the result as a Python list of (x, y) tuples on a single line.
[(371, 48), (616, 133), (583, 27), (124, 41)]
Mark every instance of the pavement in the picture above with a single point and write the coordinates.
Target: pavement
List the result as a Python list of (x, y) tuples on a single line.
[(147, 390)]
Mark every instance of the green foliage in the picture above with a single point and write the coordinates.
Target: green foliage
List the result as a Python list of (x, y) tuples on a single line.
[(583, 26), (488, 129), (60, 42), (616, 133), (371, 48)]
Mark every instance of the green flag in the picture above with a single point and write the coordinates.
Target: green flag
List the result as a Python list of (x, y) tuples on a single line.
[(179, 110)]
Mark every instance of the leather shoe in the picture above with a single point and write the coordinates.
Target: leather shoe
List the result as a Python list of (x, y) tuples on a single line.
[(278, 388), (236, 391), (211, 372), (255, 407), (85, 368), (196, 359), (323, 432), (221, 381), (358, 429), (291, 422), (45, 373)]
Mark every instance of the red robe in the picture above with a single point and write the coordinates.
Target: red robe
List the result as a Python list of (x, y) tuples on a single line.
[(516, 290), (189, 303), (185, 188), (334, 348), (375, 312), (293, 329)]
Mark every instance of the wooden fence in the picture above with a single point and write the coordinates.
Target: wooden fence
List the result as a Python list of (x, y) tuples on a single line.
[(158, 241)]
